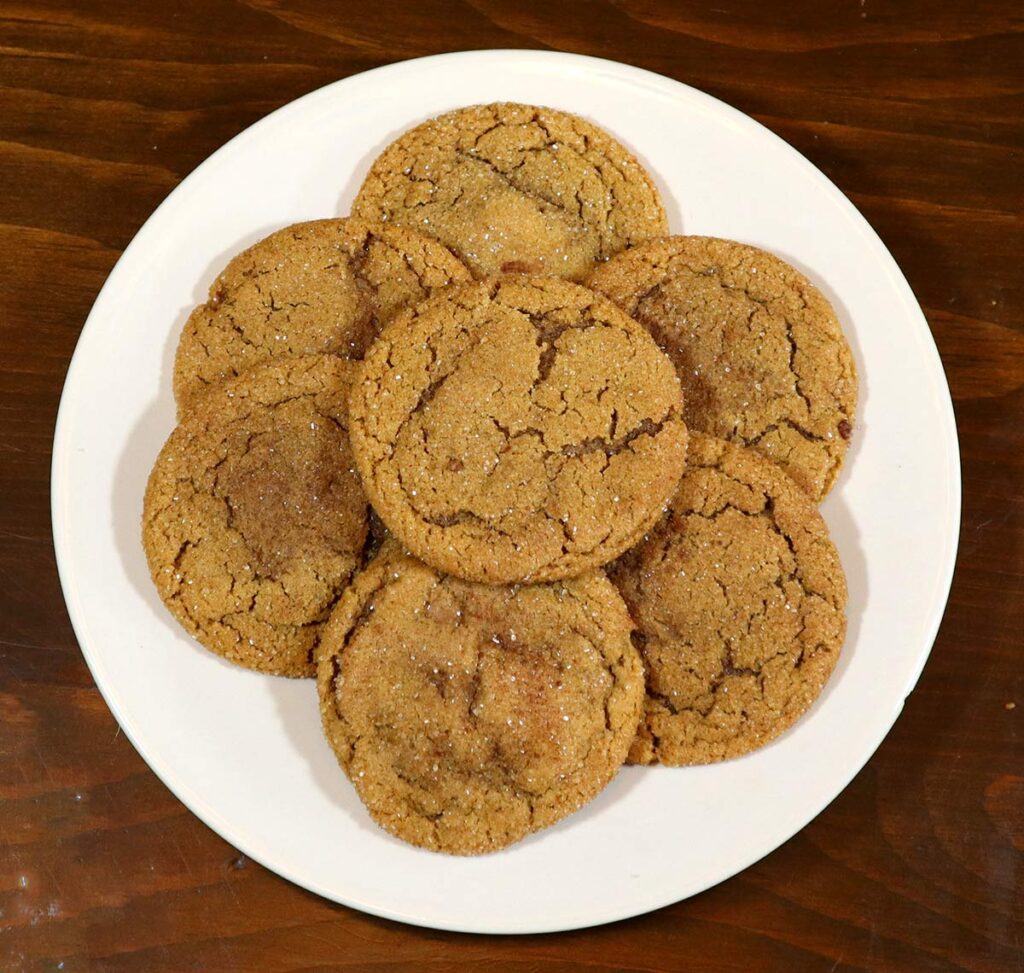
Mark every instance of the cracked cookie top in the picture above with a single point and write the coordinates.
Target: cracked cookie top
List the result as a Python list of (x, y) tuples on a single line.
[(323, 287), (517, 429), (467, 715), (515, 188), (759, 350), (739, 600), (254, 519)]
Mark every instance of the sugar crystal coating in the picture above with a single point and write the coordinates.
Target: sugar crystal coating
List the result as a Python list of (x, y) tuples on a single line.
[(515, 189), (758, 349), (254, 519), (517, 429), (467, 715), (322, 287), (739, 600)]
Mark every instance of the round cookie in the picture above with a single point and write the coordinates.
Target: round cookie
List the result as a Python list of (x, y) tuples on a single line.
[(517, 429), (761, 355), (739, 600), (515, 189), (254, 520), (468, 716), (323, 287)]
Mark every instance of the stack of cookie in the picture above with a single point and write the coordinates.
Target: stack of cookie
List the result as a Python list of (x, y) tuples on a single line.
[(528, 485)]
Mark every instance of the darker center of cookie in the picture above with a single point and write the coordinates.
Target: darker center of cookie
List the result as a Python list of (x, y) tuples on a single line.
[(292, 492)]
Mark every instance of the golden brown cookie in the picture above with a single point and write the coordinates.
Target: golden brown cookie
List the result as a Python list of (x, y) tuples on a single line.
[(468, 716), (517, 429), (739, 599), (323, 287), (761, 355), (254, 519), (515, 188)]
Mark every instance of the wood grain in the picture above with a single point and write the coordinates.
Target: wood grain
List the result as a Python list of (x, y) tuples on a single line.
[(913, 108)]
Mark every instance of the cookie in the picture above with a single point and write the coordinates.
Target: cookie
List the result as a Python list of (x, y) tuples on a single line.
[(468, 716), (515, 188), (739, 600), (761, 355), (517, 429), (323, 287), (254, 519)]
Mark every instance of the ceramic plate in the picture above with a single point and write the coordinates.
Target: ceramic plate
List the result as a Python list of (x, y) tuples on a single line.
[(245, 752)]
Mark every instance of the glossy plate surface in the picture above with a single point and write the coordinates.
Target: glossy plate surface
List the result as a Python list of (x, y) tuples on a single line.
[(245, 752)]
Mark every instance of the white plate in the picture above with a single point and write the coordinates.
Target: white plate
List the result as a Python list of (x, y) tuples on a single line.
[(245, 753)]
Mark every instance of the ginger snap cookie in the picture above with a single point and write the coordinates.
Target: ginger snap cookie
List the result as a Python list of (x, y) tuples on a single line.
[(515, 189), (468, 716), (761, 355), (517, 429), (739, 600), (254, 520), (323, 287)]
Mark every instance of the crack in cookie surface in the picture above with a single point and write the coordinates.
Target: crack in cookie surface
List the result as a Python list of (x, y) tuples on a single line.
[(759, 350), (739, 599), (470, 715), (515, 188), (254, 518), (322, 287), (517, 429)]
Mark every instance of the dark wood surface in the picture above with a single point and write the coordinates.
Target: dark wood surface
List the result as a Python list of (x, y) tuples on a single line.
[(913, 108)]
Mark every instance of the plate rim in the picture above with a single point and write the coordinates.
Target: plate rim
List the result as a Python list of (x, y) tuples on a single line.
[(61, 441)]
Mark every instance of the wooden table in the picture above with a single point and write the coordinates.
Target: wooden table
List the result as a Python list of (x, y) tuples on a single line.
[(914, 109)]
